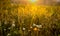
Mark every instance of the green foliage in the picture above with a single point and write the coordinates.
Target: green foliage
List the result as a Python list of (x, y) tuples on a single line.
[(12, 25)]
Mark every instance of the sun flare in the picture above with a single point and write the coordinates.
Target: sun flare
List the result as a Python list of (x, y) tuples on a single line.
[(33, 1)]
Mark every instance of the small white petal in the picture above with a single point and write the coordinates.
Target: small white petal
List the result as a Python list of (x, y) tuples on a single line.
[(23, 28), (31, 27), (8, 34), (13, 25), (4, 29), (40, 26), (34, 24)]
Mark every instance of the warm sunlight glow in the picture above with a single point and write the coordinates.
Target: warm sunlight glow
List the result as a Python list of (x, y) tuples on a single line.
[(35, 29), (33, 1)]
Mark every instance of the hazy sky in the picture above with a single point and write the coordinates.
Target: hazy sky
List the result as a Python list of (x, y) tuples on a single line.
[(39, 2)]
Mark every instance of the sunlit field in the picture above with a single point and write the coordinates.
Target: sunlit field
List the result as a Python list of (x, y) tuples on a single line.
[(29, 20)]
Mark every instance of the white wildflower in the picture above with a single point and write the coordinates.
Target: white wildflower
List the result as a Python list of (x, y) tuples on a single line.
[(23, 28)]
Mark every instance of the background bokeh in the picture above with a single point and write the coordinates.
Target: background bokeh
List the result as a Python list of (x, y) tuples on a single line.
[(20, 19)]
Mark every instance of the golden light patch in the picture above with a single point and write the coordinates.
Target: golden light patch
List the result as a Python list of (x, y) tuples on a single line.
[(32, 1), (35, 29), (34, 10)]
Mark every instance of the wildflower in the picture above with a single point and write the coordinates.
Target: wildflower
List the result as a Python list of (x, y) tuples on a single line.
[(8, 34), (23, 28), (13, 25), (34, 24), (4, 29)]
